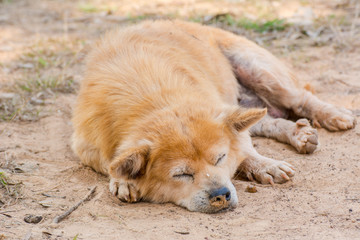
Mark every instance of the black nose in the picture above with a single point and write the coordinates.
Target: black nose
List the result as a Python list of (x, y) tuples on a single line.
[(219, 194)]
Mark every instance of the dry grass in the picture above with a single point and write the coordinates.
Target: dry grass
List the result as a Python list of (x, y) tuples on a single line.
[(10, 192), (42, 72)]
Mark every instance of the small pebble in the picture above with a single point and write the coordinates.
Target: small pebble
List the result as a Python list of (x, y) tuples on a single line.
[(251, 189), (32, 218)]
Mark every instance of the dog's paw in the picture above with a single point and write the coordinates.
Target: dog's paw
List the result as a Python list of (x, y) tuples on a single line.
[(124, 190), (303, 137), (335, 119), (270, 171)]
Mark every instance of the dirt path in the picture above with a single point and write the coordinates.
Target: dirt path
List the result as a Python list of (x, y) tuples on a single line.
[(321, 202)]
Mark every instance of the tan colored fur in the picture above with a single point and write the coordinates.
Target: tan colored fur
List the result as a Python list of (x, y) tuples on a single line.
[(158, 108)]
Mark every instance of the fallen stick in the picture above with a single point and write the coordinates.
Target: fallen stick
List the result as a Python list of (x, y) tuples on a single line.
[(7, 215), (7, 211), (51, 196), (73, 208)]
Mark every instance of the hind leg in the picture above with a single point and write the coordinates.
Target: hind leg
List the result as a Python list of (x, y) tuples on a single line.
[(260, 71), (323, 114), (300, 134)]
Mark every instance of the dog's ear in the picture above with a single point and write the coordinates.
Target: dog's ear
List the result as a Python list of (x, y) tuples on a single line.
[(241, 119), (131, 163)]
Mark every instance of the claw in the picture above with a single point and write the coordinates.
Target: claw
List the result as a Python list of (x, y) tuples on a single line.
[(291, 167), (284, 176), (271, 181), (288, 171), (316, 123), (302, 122)]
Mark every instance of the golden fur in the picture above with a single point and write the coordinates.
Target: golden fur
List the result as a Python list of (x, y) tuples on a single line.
[(158, 112)]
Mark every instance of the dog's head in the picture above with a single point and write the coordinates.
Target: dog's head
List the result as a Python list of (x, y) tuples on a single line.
[(187, 158)]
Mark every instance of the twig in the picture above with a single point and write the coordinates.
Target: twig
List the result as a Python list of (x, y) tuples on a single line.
[(347, 84), (73, 208), (6, 215), (182, 232), (7, 211), (51, 196)]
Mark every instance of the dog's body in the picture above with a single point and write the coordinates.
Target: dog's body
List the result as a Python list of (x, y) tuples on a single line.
[(158, 111)]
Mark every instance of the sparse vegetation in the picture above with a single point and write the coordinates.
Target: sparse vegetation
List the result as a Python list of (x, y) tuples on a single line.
[(3, 180), (9, 192), (246, 23), (92, 8), (43, 72), (88, 8), (268, 26)]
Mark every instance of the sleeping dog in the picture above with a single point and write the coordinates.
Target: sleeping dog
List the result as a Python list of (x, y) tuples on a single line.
[(166, 110)]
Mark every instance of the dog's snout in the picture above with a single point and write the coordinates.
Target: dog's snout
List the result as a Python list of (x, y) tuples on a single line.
[(224, 191), (220, 197)]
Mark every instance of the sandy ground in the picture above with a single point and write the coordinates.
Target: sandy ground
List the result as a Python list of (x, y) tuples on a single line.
[(45, 178)]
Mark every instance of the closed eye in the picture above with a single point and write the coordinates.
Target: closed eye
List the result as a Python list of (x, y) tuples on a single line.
[(220, 158), (184, 176)]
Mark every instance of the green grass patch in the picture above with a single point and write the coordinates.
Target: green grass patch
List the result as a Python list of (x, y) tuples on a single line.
[(268, 26), (42, 62), (3, 179), (261, 26), (88, 8), (39, 83), (139, 18), (6, 1)]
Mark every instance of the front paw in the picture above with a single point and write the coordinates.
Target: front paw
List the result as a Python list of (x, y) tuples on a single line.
[(335, 119), (124, 190), (268, 171)]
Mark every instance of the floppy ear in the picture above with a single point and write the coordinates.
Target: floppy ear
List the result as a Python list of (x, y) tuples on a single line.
[(241, 119), (131, 163)]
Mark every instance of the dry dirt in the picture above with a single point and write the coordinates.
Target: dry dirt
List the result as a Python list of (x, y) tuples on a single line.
[(45, 178)]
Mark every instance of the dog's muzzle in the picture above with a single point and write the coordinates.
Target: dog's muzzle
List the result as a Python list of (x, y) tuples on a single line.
[(220, 198)]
